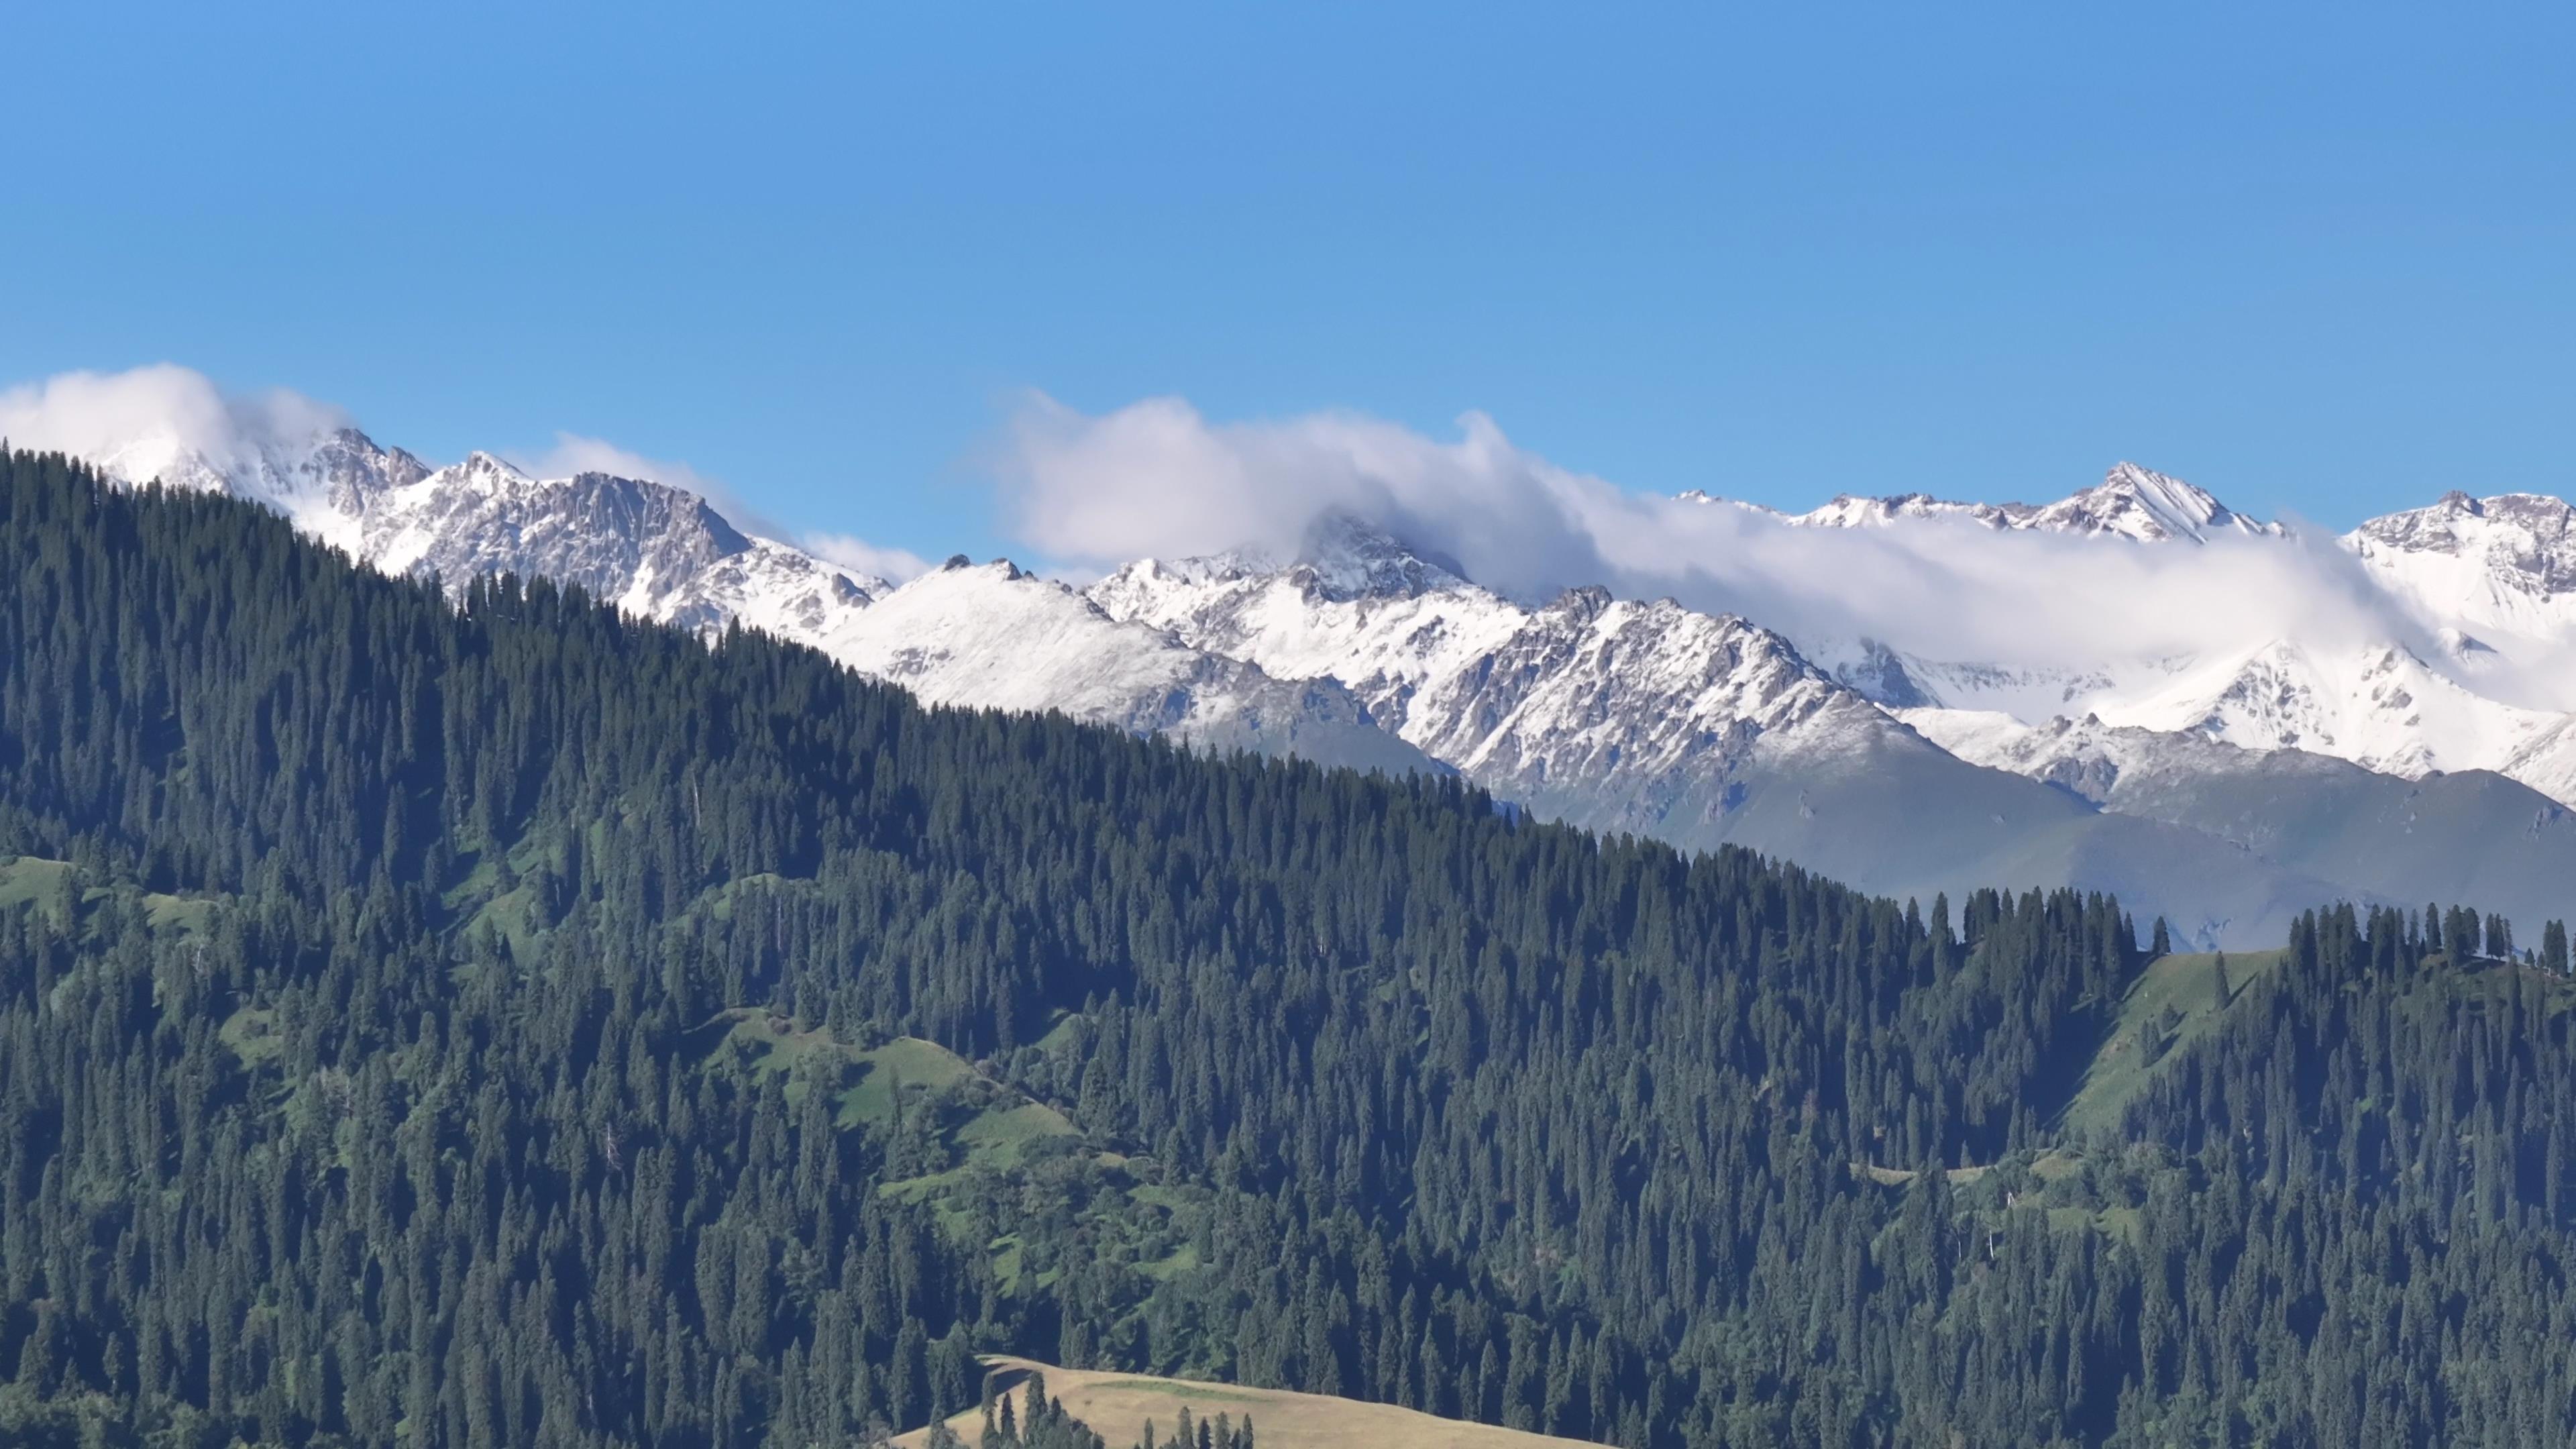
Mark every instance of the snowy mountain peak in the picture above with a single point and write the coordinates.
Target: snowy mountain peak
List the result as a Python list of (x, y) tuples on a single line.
[(347, 470), (1343, 559), (2527, 508), (2130, 502), (2530, 537), (488, 472), (1857, 510), (1346, 557), (1853, 511), (994, 636), (2148, 506), (1585, 603), (332, 473), (2501, 568)]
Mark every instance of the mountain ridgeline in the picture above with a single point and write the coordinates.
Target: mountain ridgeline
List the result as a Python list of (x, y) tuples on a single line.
[(1939, 766), (491, 1020)]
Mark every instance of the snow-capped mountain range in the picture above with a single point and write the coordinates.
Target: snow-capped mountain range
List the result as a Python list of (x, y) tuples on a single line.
[(2130, 502), (2487, 578), (2225, 790)]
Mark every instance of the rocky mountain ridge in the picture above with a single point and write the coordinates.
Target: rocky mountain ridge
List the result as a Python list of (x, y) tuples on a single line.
[(2130, 502), (1622, 714)]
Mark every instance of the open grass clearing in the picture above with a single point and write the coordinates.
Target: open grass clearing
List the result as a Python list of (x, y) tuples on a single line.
[(1117, 1405)]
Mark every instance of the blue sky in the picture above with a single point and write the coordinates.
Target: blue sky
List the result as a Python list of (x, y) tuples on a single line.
[(2316, 259)]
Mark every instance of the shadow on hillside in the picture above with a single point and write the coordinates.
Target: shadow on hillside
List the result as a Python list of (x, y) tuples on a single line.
[(1005, 1378)]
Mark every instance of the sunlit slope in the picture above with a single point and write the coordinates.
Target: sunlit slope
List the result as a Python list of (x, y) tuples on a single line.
[(2175, 1001), (1117, 1406)]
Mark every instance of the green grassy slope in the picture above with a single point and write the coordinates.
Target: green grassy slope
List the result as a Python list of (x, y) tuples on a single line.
[(2174, 1002)]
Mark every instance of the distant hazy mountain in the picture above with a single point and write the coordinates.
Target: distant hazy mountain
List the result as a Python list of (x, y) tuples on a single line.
[(2475, 835)]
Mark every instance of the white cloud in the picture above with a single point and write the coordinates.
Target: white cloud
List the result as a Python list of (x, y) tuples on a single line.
[(1156, 478), (894, 564), (145, 422), (138, 420)]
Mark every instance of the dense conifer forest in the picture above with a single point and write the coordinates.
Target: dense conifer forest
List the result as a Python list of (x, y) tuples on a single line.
[(479, 1019)]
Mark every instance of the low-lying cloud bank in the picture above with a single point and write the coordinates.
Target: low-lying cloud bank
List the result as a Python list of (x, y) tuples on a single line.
[(1158, 479)]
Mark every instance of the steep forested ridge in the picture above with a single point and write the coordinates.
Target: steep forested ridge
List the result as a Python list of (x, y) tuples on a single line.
[(486, 1022)]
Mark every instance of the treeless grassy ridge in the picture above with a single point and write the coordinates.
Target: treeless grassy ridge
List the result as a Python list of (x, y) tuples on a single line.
[(1116, 1406), (2175, 1002)]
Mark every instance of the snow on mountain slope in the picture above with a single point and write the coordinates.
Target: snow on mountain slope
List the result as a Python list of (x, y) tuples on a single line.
[(2492, 582), (2501, 570), (1624, 714), (991, 636), (317, 480), (2100, 762), (2472, 835), (984, 638), (2138, 503), (2130, 502), (659, 552), (1701, 729), (2546, 760), (2379, 705), (1587, 688)]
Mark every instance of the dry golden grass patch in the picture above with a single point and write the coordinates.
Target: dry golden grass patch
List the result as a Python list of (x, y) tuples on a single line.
[(1116, 1406)]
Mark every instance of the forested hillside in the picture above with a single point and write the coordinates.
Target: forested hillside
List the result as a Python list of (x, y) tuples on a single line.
[(504, 1023)]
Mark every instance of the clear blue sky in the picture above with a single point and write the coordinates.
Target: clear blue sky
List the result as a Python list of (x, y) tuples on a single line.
[(2318, 258)]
